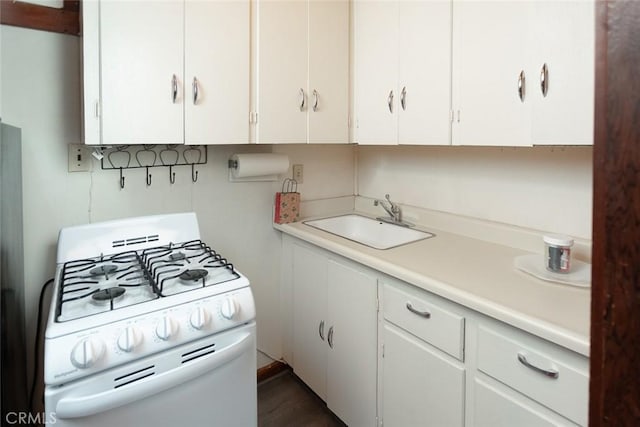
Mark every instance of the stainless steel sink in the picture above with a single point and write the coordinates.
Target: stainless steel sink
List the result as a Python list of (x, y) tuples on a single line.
[(368, 231)]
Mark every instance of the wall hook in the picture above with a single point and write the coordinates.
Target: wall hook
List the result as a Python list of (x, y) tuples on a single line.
[(194, 177), (148, 177), (121, 179), (172, 175)]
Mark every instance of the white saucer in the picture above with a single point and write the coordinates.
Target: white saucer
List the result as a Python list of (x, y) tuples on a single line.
[(533, 264)]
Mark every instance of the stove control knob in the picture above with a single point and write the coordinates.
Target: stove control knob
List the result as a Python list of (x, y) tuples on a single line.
[(228, 308), (166, 328), (86, 353), (129, 339), (199, 318)]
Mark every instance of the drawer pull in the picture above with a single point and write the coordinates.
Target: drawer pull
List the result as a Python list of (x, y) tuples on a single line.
[(424, 314), (330, 337), (550, 373)]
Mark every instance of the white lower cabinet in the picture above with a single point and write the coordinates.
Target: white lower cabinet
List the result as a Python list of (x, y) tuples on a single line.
[(420, 385), (442, 364), (335, 333), (422, 359), (310, 318), (382, 352), (497, 408), (543, 375)]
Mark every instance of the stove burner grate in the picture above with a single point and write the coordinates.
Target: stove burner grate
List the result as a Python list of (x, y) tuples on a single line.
[(103, 270), (134, 277)]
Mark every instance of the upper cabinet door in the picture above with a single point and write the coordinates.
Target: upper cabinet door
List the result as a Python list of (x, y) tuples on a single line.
[(216, 77), (563, 42), (402, 77), (141, 70), (376, 71), (490, 82), (328, 91), (424, 85), (282, 76)]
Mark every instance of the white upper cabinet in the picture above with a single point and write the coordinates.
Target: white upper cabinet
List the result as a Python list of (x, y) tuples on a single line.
[(217, 72), (140, 88), (141, 71), (328, 89), (375, 41), (503, 54), (424, 84), (402, 72), (489, 55), (302, 71), (564, 40)]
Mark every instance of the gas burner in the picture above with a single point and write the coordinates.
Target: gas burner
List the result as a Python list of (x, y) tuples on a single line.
[(177, 256), (193, 275), (108, 294), (103, 270)]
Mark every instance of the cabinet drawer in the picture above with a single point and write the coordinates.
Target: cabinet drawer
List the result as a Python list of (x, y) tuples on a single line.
[(418, 314), (551, 380)]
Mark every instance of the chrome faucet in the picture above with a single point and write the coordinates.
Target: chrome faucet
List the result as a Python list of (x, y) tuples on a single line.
[(394, 211)]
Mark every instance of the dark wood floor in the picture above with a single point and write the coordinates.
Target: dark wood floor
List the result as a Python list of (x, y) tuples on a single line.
[(285, 401)]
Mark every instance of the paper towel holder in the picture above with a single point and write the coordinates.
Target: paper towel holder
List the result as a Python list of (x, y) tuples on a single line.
[(233, 166)]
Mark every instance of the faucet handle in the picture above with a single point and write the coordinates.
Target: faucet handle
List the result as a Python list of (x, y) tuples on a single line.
[(394, 207)]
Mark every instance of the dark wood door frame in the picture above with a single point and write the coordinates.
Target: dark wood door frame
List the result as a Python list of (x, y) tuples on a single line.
[(615, 304), (65, 20)]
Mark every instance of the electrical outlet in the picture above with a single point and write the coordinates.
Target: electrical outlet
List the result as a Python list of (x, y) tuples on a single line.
[(298, 173), (79, 158)]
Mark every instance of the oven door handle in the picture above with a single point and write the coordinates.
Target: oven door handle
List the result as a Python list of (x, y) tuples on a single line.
[(86, 405)]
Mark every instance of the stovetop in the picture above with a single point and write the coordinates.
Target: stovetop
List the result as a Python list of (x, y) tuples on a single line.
[(126, 289), (107, 283)]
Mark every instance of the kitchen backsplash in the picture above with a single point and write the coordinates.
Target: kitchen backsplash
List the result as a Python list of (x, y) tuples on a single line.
[(543, 188)]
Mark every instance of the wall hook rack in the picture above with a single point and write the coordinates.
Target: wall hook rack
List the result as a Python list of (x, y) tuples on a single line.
[(194, 178), (122, 157)]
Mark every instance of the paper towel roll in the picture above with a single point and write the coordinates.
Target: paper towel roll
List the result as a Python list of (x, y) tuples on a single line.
[(259, 164)]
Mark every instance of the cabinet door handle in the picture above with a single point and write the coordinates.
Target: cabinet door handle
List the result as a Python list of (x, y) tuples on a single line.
[(390, 102), (194, 87), (315, 100), (302, 99), (321, 330), (424, 314), (174, 89), (330, 337), (521, 85), (551, 373), (403, 98), (544, 79)]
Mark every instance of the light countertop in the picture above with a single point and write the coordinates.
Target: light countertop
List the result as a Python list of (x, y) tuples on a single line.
[(476, 274)]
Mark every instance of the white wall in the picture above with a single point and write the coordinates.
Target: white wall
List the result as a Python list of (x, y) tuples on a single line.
[(544, 188), (41, 94)]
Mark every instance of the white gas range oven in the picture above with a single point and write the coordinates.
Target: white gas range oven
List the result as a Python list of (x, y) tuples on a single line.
[(148, 326)]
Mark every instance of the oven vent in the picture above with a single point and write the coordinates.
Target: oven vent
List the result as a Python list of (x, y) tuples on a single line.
[(135, 241), (134, 376), (199, 352)]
